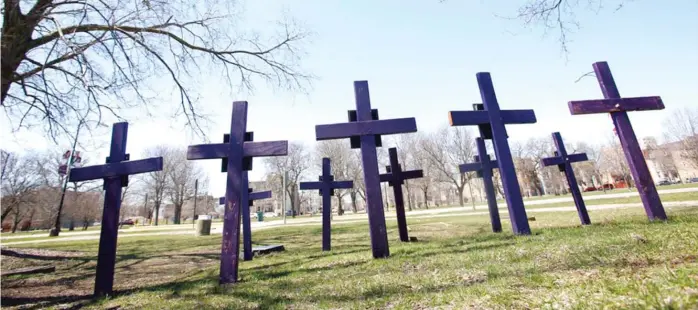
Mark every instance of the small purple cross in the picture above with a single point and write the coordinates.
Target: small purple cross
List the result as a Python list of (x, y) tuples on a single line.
[(367, 129), (496, 119), (564, 163), (618, 107), (484, 166), (249, 196), (236, 150), (326, 187), (395, 178), (115, 174)]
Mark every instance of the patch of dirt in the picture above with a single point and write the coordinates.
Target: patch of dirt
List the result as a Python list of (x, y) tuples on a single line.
[(74, 279)]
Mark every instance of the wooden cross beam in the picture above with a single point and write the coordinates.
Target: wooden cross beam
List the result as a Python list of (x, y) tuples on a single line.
[(497, 118), (115, 174), (564, 163), (483, 166), (618, 107), (326, 187), (236, 150), (395, 178), (367, 129)]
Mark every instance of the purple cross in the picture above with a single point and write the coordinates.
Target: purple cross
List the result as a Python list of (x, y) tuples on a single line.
[(395, 178), (249, 196), (115, 174), (236, 150), (617, 107), (367, 128), (484, 166), (564, 163), (326, 188), (496, 119)]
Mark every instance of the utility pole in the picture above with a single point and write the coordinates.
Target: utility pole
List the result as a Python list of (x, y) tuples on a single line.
[(472, 198), (196, 194), (145, 208), (283, 194), (55, 231)]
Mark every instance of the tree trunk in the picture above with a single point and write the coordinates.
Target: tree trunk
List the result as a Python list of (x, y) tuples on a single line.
[(157, 211), (177, 213), (409, 197), (71, 227), (340, 208), (15, 222), (461, 201), (426, 198), (6, 213), (352, 195), (17, 32)]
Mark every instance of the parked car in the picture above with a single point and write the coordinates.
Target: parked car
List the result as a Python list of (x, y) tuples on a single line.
[(664, 182), (126, 222), (590, 189), (691, 180)]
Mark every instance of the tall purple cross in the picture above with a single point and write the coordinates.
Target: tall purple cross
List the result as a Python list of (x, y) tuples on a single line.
[(617, 107), (326, 187), (366, 127), (564, 163), (483, 165), (236, 150), (115, 174), (496, 119), (249, 196), (395, 178)]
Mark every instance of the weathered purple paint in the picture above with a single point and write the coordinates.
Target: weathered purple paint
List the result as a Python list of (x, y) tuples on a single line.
[(495, 118), (235, 150), (367, 128), (395, 178), (564, 163), (628, 140), (113, 174), (615, 105), (326, 187), (484, 166)]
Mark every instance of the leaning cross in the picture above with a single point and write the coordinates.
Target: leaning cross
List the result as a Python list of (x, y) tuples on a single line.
[(236, 150), (564, 163), (617, 107), (249, 196), (367, 128), (395, 178), (326, 187), (115, 174), (497, 118), (483, 165)]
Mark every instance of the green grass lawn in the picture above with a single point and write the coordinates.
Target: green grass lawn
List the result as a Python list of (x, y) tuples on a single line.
[(621, 262)]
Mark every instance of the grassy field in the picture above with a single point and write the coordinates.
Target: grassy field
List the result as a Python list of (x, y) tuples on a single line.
[(620, 262)]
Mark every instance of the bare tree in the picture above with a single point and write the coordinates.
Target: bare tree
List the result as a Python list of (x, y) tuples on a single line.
[(18, 182), (446, 149), (682, 127), (62, 57), (155, 183), (180, 180), (613, 161), (296, 163), (422, 160)]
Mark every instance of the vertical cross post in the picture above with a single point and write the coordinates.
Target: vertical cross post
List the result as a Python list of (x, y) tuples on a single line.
[(564, 163), (484, 166), (618, 107), (496, 118), (326, 187), (115, 174), (236, 151), (395, 178), (366, 127), (249, 196)]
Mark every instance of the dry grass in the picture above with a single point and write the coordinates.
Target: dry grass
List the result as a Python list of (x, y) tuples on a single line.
[(620, 262)]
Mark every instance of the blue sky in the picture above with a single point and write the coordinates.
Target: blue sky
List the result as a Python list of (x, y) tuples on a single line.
[(421, 57)]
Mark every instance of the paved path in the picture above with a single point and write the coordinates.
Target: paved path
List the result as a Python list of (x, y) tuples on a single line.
[(355, 218)]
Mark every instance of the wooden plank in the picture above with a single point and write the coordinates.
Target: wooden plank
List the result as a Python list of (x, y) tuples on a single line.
[(116, 169), (594, 106), (363, 128)]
